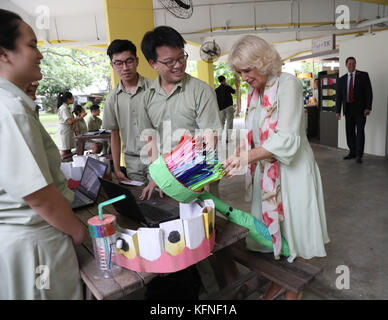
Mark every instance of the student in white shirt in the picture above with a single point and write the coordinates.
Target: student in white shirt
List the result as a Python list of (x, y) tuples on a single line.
[(38, 229)]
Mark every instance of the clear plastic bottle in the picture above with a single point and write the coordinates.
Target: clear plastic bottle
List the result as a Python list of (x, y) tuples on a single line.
[(104, 251), (103, 234)]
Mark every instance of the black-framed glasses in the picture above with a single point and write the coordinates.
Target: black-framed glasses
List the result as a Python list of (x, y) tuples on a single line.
[(119, 63), (171, 63)]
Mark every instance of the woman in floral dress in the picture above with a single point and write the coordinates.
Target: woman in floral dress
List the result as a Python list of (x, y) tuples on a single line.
[(286, 188)]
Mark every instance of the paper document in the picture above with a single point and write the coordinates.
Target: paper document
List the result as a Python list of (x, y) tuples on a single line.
[(132, 183)]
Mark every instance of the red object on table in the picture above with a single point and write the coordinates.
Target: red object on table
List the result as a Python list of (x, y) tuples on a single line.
[(73, 184), (108, 176)]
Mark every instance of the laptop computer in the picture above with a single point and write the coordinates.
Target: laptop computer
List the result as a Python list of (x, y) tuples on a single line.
[(96, 132), (90, 185), (148, 213)]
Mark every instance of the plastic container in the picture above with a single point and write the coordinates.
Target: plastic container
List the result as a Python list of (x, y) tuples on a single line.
[(103, 234)]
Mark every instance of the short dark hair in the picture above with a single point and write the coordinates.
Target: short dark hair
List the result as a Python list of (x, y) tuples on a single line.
[(221, 78), (118, 46), (94, 107), (350, 58), (160, 36), (9, 26), (77, 109)]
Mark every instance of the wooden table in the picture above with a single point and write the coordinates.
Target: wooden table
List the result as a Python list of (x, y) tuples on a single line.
[(232, 284), (81, 139)]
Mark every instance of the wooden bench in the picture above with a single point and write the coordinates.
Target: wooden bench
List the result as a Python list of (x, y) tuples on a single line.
[(292, 276)]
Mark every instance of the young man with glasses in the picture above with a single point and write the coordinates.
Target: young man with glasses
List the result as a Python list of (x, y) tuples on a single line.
[(175, 101), (122, 108)]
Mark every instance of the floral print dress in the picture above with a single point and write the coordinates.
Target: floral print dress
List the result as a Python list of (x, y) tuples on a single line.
[(304, 223)]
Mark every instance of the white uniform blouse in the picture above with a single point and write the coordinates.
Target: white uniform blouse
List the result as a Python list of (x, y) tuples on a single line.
[(65, 132), (29, 162)]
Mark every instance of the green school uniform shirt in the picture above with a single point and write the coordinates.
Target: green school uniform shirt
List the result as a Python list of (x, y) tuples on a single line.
[(29, 158), (94, 123), (121, 112), (191, 105), (81, 127)]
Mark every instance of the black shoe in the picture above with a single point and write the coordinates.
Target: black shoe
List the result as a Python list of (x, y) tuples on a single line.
[(359, 160), (349, 156)]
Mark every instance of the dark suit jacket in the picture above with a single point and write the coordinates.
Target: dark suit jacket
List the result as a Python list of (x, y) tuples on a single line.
[(362, 92)]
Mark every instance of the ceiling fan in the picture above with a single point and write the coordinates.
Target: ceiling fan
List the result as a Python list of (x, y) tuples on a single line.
[(182, 9), (210, 51)]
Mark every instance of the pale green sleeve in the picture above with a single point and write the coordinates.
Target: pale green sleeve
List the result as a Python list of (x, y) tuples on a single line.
[(24, 163), (110, 121), (60, 115), (80, 127), (145, 123), (63, 114), (208, 116), (93, 125), (285, 143)]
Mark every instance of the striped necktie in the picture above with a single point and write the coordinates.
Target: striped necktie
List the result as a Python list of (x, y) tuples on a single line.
[(351, 91)]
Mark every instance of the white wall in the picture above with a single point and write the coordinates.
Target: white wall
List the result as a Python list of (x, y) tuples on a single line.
[(371, 53), (8, 5)]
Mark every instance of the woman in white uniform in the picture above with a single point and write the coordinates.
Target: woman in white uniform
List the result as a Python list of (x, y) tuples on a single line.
[(38, 229), (66, 124)]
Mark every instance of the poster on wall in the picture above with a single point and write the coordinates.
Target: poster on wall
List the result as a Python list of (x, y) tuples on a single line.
[(327, 91)]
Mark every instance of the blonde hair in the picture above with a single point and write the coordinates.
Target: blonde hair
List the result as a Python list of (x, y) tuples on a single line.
[(252, 51)]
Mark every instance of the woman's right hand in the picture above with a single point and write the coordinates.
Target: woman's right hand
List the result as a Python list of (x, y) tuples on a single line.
[(231, 166), (236, 162)]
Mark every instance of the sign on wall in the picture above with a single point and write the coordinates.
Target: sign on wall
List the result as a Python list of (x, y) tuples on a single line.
[(325, 43)]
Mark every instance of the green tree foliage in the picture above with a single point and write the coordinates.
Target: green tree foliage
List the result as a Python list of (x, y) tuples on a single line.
[(191, 68), (314, 68), (70, 69), (222, 69)]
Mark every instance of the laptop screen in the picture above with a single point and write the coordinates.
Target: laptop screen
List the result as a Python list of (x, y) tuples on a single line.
[(127, 207), (90, 184), (149, 213)]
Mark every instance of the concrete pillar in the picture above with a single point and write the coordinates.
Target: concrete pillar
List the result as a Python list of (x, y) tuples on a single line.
[(130, 20)]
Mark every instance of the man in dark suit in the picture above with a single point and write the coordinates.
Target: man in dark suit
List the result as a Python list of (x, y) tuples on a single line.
[(354, 93)]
